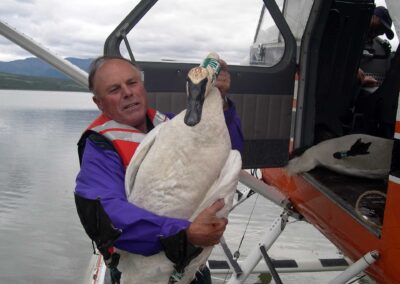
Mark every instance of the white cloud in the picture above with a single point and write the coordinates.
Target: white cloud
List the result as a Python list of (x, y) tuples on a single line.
[(69, 28), (79, 28), (173, 29), (182, 31)]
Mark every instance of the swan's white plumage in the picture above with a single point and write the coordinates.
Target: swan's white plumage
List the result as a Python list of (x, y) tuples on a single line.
[(178, 171), (376, 164)]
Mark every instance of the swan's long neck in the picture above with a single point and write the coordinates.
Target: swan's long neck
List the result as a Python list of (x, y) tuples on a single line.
[(212, 122), (213, 105)]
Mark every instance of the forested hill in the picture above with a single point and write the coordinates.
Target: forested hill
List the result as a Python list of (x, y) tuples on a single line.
[(33, 66), (35, 74), (22, 82)]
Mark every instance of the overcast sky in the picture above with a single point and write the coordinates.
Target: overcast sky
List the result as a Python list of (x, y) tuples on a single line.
[(69, 28), (78, 28)]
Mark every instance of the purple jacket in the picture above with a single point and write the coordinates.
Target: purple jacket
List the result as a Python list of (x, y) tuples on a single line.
[(102, 176)]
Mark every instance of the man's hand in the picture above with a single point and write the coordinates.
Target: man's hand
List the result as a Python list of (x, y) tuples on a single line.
[(369, 82), (207, 229), (223, 82), (366, 80)]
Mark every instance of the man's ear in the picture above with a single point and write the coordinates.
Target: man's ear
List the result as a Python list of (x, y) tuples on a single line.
[(97, 102)]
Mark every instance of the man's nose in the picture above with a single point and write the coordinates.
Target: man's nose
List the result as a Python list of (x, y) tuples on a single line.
[(126, 90)]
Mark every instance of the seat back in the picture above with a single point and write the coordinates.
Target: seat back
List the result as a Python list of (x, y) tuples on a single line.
[(339, 58)]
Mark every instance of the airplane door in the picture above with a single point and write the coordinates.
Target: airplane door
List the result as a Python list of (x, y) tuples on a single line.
[(262, 80)]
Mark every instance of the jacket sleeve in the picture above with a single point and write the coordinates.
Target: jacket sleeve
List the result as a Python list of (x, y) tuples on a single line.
[(102, 176), (234, 127)]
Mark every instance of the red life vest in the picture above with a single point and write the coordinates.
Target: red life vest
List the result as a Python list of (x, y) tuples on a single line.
[(124, 138)]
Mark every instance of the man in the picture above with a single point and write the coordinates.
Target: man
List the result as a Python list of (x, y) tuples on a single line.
[(108, 145), (377, 105), (380, 24)]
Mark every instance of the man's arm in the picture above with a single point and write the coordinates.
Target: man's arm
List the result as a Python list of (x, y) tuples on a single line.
[(102, 176), (234, 126), (223, 83)]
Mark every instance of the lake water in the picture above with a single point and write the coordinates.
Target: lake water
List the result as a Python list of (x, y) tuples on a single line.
[(41, 239)]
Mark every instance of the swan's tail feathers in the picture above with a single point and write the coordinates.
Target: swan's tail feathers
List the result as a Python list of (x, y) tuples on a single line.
[(195, 266), (180, 251)]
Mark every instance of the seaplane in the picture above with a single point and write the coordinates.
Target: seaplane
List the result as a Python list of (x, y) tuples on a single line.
[(297, 94)]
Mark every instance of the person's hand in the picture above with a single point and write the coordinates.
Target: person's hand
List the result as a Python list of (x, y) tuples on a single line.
[(360, 75), (369, 82), (223, 82), (366, 80), (207, 229)]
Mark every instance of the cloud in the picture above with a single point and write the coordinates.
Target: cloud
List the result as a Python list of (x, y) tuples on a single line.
[(182, 31), (69, 28), (172, 28)]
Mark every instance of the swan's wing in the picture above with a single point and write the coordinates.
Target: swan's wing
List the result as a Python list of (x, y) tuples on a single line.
[(224, 187), (138, 157)]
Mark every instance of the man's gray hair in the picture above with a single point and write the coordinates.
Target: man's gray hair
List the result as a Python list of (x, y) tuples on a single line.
[(98, 62)]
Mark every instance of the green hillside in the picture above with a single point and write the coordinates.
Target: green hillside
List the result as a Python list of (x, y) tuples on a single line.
[(20, 82)]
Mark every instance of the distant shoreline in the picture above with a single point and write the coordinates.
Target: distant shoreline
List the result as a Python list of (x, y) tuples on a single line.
[(10, 81)]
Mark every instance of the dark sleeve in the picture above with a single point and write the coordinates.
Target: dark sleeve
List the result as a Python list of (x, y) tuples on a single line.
[(102, 176)]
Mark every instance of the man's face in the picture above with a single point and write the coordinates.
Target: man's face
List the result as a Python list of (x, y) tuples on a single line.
[(120, 93)]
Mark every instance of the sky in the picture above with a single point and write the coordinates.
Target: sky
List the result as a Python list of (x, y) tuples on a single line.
[(77, 28)]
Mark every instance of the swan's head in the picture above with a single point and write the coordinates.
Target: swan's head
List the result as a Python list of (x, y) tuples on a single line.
[(199, 81)]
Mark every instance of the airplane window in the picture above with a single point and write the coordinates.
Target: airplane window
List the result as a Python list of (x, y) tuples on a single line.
[(269, 45), (296, 13), (187, 30)]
